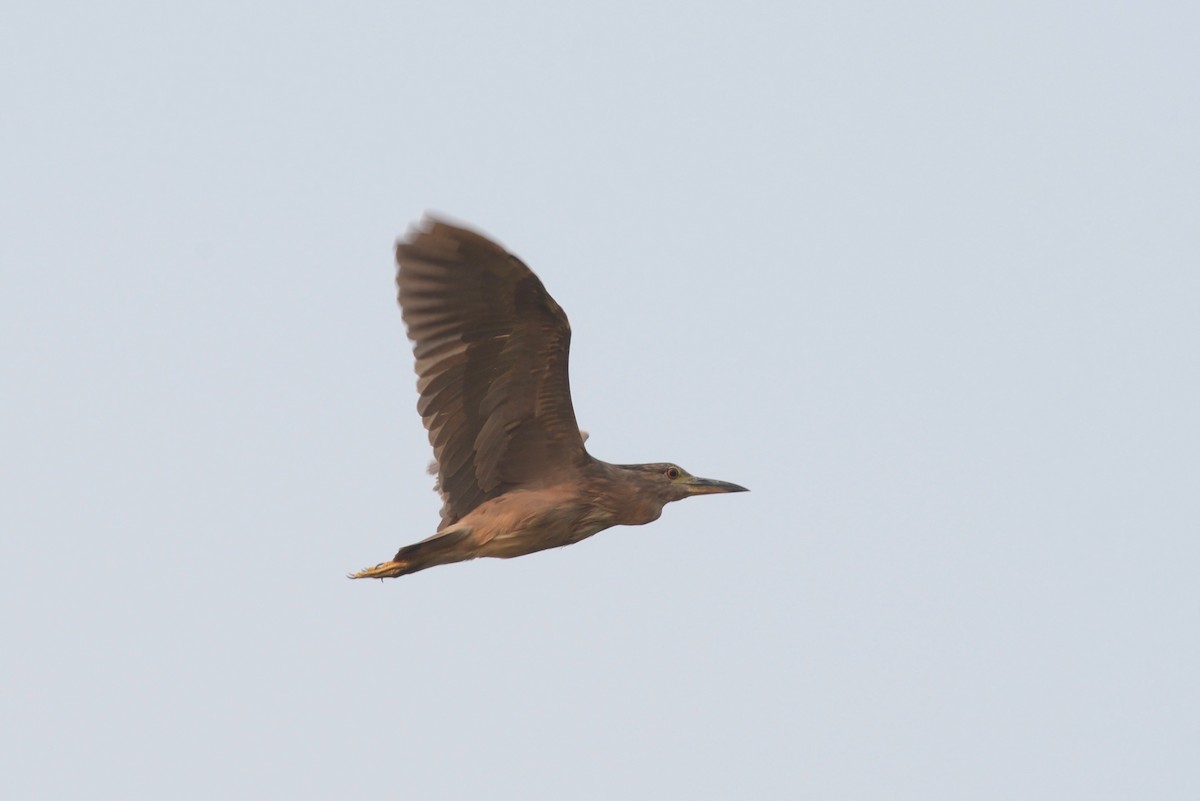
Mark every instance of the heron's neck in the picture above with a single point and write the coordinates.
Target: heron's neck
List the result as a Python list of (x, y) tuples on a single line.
[(634, 502)]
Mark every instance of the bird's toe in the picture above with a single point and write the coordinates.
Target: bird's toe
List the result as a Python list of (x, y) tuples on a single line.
[(382, 570)]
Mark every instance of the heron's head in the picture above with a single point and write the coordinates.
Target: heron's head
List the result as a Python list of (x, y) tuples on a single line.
[(669, 482)]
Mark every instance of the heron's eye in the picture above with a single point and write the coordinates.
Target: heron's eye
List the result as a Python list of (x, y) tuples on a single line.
[(672, 473)]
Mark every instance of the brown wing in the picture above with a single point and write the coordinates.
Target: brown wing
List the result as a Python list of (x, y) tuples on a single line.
[(491, 348)]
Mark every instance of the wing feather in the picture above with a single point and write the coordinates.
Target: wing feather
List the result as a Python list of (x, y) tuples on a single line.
[(492, 350)]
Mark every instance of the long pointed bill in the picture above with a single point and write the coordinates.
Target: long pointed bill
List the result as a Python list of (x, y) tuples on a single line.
[(710, 486)]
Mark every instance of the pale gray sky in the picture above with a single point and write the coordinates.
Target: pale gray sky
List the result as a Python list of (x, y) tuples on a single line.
[(923, 276)]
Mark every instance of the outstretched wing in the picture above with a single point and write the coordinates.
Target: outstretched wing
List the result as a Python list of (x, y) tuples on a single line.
[(491, 347)]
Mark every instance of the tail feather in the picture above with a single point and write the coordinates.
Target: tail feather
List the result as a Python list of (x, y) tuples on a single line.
[(445, 547)]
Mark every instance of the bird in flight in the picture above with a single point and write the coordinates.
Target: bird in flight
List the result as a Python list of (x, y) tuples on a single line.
[(491, 350)]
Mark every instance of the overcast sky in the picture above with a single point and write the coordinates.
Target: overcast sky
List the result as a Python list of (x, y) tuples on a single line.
[(924, 276)]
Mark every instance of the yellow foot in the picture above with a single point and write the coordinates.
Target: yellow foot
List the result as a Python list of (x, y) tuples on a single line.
[(382, 570)]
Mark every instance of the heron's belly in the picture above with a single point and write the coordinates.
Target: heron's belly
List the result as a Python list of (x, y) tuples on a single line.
[(526, 521)]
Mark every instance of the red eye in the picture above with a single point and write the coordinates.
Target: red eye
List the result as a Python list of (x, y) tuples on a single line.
[(672, 473)]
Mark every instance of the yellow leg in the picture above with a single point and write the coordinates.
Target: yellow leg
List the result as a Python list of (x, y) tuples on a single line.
[(382, 570)]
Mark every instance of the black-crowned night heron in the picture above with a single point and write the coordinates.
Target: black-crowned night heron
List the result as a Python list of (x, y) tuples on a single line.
[(491, 347)]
